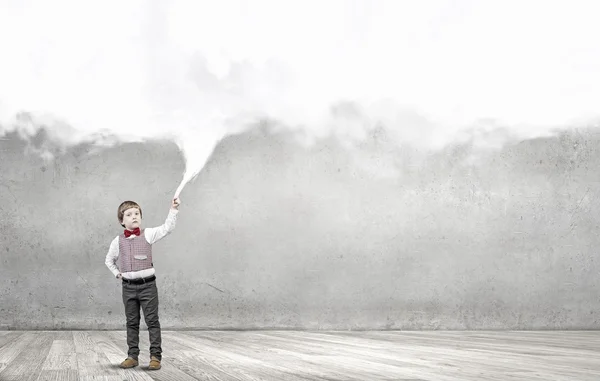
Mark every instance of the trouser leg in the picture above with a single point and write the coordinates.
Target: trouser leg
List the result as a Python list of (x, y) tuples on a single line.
[(149, 303), (132, 315)]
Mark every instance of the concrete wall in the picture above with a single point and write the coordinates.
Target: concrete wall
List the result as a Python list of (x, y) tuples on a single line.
[(273, 235)]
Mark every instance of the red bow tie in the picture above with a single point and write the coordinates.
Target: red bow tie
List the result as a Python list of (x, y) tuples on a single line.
[(135, 231)]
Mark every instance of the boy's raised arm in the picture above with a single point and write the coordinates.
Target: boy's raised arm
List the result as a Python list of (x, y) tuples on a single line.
[(154, 235)]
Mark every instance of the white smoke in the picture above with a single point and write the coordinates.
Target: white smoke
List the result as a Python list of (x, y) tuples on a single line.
[(194, 71)]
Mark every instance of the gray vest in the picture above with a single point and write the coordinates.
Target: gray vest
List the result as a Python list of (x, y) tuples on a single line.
[(135, 253)]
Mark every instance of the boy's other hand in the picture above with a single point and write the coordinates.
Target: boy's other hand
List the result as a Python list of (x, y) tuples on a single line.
[(119, 276), (175, 203)]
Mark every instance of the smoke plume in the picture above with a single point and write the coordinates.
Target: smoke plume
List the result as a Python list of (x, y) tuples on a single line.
[(426, 75)]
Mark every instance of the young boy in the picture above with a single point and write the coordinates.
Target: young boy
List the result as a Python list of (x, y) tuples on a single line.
[(132, 250)]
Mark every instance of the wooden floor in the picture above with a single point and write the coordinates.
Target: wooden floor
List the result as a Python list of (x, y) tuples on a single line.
[(297, 355)]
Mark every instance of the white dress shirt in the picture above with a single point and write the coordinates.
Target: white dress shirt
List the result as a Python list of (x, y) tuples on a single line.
[(152, 235)]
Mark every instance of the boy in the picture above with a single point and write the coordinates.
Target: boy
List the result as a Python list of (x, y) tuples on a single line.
[(132, 249)]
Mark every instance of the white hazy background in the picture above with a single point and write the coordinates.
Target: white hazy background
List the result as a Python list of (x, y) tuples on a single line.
[(194, 71)]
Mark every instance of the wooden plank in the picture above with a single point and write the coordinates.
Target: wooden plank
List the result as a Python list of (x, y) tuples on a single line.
[(115, 356), (61, 356), (554, 352), (12, 347), (62, 335), (202, 364), (58, 375), (440, 362), (493, 357), (9, 337), (28, 364), (100, 378), (92, 363), (338, 362), (303, 356), (263, 359), (167, 372)]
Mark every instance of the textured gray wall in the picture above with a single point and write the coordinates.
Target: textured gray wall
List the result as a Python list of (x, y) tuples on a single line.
[(272, 234)]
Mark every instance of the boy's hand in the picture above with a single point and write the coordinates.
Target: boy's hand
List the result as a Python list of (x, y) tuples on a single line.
[(175, 203)]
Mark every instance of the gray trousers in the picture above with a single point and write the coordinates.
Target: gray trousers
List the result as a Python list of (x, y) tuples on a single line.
[(144, 296)]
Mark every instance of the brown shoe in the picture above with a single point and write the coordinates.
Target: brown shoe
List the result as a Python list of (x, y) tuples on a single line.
[(129, 363), (154, 363)]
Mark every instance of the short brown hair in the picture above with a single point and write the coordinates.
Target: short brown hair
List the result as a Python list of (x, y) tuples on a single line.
[(124, 206)]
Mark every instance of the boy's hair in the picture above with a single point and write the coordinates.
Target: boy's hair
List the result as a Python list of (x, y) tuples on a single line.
[(123, 207)]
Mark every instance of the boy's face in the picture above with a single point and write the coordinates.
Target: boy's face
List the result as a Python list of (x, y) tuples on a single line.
[(132, 218)]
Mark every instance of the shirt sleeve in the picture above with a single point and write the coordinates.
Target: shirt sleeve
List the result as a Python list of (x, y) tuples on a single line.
[(154, 235), (112, 255)]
